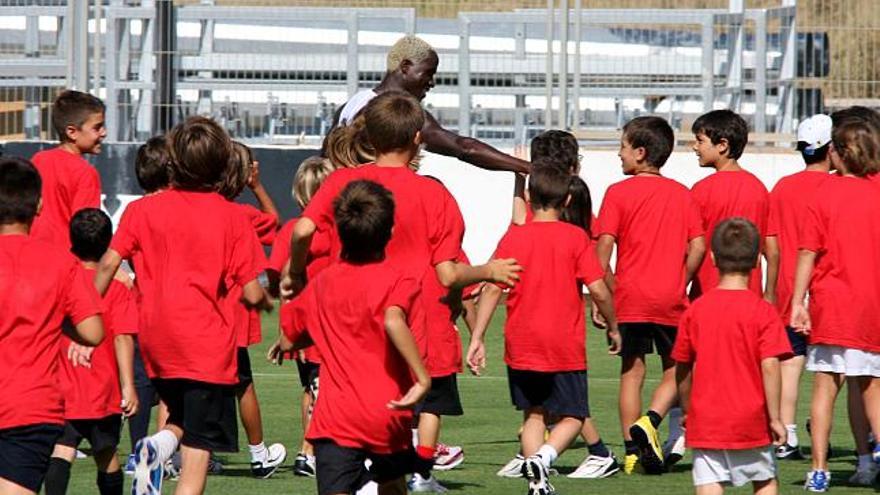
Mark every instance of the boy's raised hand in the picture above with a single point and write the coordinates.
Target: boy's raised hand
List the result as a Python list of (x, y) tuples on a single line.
[(413, 396), (504, 271), (476, 356), (254, 179), (800, 319)]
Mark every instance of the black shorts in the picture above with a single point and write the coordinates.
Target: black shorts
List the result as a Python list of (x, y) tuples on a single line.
[(24, 453), (245, 373), (798, 342), (308, 373), (204, 411), (561, 393), (102, 433), (639, 339), (442, 399), (341, 469)]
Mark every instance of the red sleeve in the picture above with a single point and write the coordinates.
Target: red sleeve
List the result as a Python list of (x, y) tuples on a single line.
[(609, 215), (448, 233), (264, 224), (81, 299), (122, 312), (87, 191), (588, 268), (695, 221), (247, 259), (281, 247), (683, 351), (402, 294), (293, 317), (811, 235), (772, 340), (320, 208), (125, 240)]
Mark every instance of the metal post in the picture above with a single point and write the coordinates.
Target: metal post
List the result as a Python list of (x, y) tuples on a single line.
[(548, 111), (78, 44), (352, 75), (96, 46), (464, 76), (563, 64), (145, 111), (735, 49), (32, 110), (166, 47), (519, 115), (789, 63), (576, 89), (761, 72), (206, 46), (708, 34)]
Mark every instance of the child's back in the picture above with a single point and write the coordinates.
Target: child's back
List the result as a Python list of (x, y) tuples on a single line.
[(69, 185)]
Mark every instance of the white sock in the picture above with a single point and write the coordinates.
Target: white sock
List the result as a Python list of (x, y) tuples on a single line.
[(165, 443), (547, 454), (675, 430), (415, 437), (792, 435), (259, 452)]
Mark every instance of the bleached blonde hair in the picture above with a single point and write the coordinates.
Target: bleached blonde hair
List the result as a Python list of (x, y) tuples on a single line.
[(411, 48), (309, 176)]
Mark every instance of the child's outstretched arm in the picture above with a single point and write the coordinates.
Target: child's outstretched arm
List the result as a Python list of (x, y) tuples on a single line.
[(771, 254), (602, 298), (124, 345), (106, 270), (399, 333), (476, 353), (695, 253), (456, 275), (295, 277), (772, 376), (800, 317)]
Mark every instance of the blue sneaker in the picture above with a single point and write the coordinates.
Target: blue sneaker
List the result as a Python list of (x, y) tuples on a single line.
[(148, 469), (129, 465), (875, 454), (818, 481)]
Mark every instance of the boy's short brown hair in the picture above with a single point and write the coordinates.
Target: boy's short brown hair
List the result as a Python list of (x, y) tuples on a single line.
[(364, 215), (724, 124), (241, 164), (559, 148), (152, 163), (20, 190), (653, 134), (392, 120), (73, 107), (855, 140), (549, 187), (348, 145), (735, 245), (200, 151)]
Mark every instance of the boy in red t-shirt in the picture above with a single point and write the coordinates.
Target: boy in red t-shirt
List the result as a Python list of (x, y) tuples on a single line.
[(788, 210), (98, 395), (41, 285), (659, 236), (70, 183), (720, 138), (309, 176), (729, 343), (545, 328), (839, 264), (193, 245), (356, 313)]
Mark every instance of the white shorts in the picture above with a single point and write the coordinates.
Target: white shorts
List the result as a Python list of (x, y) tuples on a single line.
[(843, 361), (735, 467)]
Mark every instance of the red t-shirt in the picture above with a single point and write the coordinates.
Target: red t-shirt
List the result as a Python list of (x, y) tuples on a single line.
[(192, 245), (41, 284), (444, 341), (652, 219), (265, 224), (545, 327), (843, 228), (69, 185), (428, 226), (788, 210), (530, 216), (726, 334), (94, 393), (723, 195), (343, 311)]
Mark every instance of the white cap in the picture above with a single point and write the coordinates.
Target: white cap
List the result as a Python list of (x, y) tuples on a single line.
[(814, 132)]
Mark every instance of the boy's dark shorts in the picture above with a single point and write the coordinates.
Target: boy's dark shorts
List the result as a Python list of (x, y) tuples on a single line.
[(308, 373), (639, 339), (204, 411), (443, 398), (245, 373), (102, 433), (24, 453), (341, 469), (561, 393), (798, 342)]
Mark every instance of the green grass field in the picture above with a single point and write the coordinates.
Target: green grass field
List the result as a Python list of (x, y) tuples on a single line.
[(487, 432)]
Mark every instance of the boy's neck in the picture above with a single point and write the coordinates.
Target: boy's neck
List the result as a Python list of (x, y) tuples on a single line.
[(15, 229), (727, 165), (70, 147), (646, 169), (819, 167), (397, 158), (91, 265), (734, 281), (545, 215)]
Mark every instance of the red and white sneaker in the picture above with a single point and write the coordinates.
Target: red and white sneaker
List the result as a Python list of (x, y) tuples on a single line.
[(447, 457)]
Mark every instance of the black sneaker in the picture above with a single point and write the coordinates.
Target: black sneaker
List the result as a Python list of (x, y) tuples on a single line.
[(788, 452), (538, 476), (277, 454), (304, 465)]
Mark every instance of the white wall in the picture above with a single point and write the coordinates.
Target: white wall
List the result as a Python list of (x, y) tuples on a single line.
[(485, 197)]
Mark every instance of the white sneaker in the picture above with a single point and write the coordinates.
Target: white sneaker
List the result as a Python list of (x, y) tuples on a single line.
[(80, 454), (865, 477), (595, 467), (513, 469), (448, 457), (675, 451), (429, 485), (266, 468)]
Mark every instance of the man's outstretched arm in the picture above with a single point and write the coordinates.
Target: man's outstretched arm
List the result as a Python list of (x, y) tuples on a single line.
[(470, 150)]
